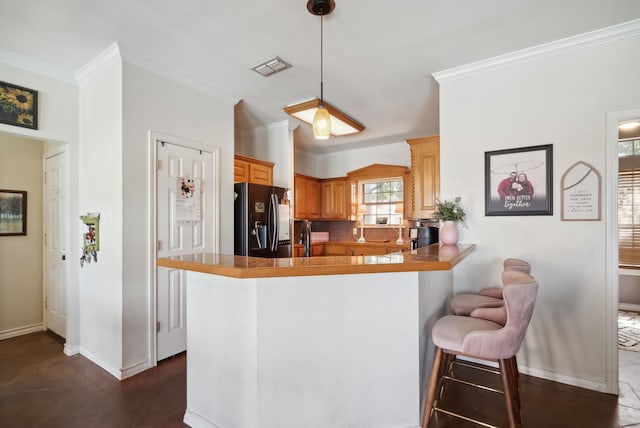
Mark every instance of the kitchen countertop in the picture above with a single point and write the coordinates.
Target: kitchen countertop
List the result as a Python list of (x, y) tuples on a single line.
[(431, 258)]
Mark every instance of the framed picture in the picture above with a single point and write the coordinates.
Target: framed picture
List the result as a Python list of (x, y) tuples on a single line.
[(519, 181), (18, 106), (13, 212)]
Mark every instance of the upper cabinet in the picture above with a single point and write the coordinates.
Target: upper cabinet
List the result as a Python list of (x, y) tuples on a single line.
[(306, 198), (335, 198), (425, 175), (246, 169)]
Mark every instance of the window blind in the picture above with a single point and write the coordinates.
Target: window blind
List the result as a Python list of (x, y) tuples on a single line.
[(629, 218)]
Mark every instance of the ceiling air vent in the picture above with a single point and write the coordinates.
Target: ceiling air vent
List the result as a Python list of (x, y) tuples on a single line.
[(271, 66)]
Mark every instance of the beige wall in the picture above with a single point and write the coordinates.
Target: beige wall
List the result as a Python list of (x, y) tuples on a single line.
[(21, 256)]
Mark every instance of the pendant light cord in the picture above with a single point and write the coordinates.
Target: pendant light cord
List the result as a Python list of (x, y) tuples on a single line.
[(321, 66)]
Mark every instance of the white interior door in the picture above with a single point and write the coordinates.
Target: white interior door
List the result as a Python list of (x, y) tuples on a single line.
[(179, 237), (55, 242)]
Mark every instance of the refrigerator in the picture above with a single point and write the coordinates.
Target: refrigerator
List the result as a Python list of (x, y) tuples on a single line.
[(261, 221)]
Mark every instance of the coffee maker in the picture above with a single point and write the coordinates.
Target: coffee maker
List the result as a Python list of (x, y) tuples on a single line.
[(424, 232)]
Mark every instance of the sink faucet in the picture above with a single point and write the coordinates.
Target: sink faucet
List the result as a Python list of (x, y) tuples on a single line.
[(305, 237)]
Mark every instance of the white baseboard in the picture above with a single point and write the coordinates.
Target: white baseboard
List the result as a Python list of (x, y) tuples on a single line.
[(594, 385), (632, 307), (135, 369), (71, 349), (14, 332), (194, 420), (100, 362), (119, 374), (600, 386)]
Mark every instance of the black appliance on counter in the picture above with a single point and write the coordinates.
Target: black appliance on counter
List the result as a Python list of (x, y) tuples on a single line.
[(422, 236), (261, 221)]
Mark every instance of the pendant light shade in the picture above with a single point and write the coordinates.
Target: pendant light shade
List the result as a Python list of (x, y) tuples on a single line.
[(321, 124)]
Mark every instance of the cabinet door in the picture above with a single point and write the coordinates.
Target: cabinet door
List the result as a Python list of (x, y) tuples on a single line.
[(240, 171), (326, 199), (306, 198), (260, 174), (336, 250), (335, 199), (425, 175), (367, 250), (317, 250), (312, 197)]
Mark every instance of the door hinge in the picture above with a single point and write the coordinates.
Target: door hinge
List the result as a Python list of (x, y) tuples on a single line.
[(157, 326), (159, 246), (46, 303), (45, 176), (46, 241), (159, 164)]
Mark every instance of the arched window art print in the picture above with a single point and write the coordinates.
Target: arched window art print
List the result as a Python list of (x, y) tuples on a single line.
[(519, 181), (581, 193)]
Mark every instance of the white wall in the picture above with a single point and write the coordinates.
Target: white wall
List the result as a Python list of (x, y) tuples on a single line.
[(57, 123), (338, 164), (101, 188), (271, 143), (21, 256), (155, 103), (562, 99)]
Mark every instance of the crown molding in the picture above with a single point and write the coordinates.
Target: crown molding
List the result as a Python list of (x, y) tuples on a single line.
[(177, 75), (35, 66), (104, 60), (592, 38)]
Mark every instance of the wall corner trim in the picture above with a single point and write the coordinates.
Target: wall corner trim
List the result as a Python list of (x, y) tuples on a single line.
[(107, 58), (596, 37)]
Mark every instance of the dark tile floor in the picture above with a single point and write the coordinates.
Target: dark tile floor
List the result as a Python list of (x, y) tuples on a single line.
[(42, 387)]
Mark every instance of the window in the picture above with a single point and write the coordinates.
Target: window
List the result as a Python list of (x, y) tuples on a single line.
[(629, 203), (382, 200)]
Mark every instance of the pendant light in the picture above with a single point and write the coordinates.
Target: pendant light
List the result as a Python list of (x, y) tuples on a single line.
[(322, 119)]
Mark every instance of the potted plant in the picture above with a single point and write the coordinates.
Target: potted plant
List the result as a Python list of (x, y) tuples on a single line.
[(449, 213)]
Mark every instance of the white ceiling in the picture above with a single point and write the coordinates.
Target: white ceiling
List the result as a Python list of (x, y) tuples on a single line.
[(378, 59)]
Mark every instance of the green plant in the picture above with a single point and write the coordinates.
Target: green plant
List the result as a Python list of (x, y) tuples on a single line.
[(450, 210)]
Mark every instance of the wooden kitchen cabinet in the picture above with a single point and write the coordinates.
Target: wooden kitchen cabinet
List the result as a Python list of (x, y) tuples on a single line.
[(246, 169), (332, 249), (345, 248), (335, 198), (306, 197), (425, 176), (317, 249)]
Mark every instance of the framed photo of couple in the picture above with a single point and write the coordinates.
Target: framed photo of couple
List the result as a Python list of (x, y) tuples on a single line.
[(519, 181)]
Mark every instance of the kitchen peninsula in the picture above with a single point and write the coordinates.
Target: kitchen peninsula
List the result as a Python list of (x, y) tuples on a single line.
[(315, 342)]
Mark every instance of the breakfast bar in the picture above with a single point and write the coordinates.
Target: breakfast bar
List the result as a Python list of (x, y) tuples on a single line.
[(339, 341)]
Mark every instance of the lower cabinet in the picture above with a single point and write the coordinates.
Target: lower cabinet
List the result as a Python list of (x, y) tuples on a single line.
[(353, 249), (316, 250)]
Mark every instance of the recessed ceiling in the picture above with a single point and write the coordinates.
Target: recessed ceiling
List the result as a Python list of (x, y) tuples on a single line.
[(377, 61)]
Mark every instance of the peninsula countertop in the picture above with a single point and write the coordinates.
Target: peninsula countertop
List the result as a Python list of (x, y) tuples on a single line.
[(430, 258)]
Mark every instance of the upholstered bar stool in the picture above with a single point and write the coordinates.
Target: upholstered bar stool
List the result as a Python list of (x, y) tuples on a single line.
[(455, 335), (466, 303)]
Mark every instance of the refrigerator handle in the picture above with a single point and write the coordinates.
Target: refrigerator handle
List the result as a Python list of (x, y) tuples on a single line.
[(273, 221)]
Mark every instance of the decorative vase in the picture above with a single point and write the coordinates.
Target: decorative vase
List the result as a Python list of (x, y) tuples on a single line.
[(449, 233)]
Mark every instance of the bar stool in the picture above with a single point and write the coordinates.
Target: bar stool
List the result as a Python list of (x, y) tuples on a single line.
[(466, 303), (455, 335)]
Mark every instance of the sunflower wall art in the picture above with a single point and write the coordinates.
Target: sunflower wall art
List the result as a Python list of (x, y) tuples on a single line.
[(18, 106)]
